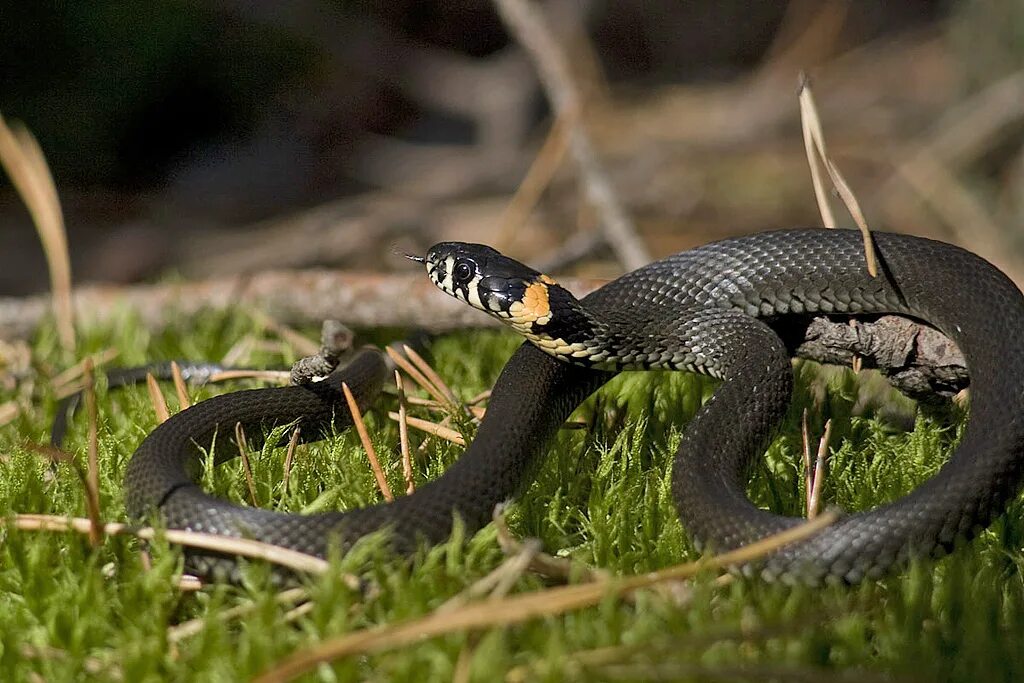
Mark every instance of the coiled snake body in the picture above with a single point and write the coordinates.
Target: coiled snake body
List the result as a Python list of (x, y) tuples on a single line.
[(718, 309)]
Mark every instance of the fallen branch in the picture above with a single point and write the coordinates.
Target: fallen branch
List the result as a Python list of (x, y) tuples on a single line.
[(917, 359), (359, 300)]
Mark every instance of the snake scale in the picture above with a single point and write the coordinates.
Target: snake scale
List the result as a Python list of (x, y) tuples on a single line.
[(722, 309)]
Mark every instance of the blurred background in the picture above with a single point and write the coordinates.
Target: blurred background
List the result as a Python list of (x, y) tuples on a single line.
[(218, 137)]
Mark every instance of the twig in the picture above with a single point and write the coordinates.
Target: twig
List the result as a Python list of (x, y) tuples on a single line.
[(917, 360), (958, 207), (357, 420), (527, 26), (519, 608), (428, 403), (26, 166), (243, 452), (297, 612), (537, 179), (403, 435), (578, 247)]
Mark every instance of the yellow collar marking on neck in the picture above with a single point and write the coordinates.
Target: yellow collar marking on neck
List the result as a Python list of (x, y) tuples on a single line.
[(534, 307)]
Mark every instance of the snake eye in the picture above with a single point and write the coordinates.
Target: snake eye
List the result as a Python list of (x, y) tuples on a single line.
[(463, 272)]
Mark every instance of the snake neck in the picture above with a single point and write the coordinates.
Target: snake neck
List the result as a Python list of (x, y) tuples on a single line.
[(573, 334)]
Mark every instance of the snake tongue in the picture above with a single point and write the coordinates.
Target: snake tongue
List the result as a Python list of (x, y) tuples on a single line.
[(411, 257)]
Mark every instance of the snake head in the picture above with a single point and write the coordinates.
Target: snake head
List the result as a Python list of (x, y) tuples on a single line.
[(488, 280)]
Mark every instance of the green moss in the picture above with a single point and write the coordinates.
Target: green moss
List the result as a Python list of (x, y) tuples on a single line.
[(68, 612)]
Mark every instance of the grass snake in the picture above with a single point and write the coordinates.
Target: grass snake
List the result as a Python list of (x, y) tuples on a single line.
[(722, 309)]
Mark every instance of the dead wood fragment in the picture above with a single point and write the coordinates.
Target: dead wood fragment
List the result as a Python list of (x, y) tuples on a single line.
[(918, 360)]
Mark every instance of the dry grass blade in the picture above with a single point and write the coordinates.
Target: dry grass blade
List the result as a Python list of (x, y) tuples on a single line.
[(495, 585), (479, 398), (26, 166), (814, 145), (403, 435), (91, 665), (227, 545), (814, 499), (429, 427), (433, 377), (188, 583), (179, 386), (191, 627), (814, 142), (243, 452), (297, 612), (240, 350), (689, 671), (857, 364), (157, 398), (65, 382), (524, 22), (297, 340), (537, 179), (417, 376), (965, 213), (519, 608), (425, 402), (853, 206), (92, 477), (289, 457), (357, 420), (546, 565), (499, 580), (805, 452)]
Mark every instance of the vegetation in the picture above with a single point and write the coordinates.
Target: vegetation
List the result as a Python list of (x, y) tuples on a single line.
[(70, 612)]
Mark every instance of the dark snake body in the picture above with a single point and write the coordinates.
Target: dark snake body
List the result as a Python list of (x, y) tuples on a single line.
[(727, 303)]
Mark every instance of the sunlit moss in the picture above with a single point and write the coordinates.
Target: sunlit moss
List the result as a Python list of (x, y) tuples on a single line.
[(601, 497)]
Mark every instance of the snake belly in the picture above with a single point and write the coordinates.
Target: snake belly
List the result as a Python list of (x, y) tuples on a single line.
[(731, 302)]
